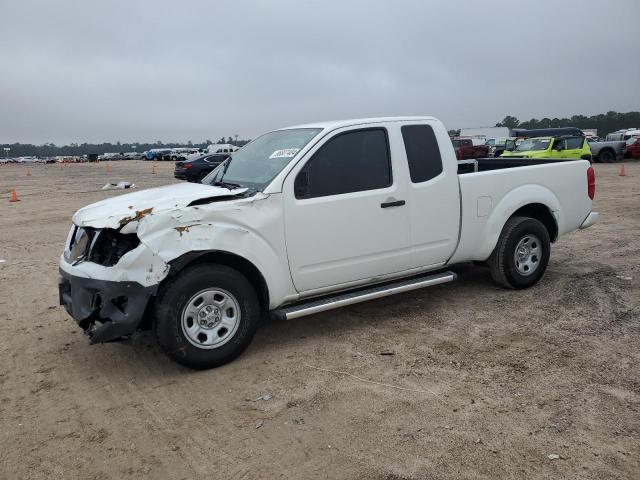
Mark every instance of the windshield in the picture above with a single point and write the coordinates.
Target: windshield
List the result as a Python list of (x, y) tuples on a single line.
[(632, 140), (258, 162), (533, 144)]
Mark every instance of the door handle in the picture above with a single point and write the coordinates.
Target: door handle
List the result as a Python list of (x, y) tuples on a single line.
[(393, 203)]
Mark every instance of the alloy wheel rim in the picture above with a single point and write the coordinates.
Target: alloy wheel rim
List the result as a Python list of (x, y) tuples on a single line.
[(210, 318), (528, 254)]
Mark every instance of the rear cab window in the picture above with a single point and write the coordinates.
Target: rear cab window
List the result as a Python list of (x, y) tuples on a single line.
[(423, 152)]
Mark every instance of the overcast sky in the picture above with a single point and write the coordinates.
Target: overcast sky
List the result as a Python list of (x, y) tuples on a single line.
[(76, 71)]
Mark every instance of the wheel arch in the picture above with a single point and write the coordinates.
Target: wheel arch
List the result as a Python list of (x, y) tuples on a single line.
[(533, 201), (232, 260), (543, 214), (606, 149)]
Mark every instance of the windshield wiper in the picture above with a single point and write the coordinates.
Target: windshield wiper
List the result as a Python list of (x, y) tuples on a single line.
[(226, 167), (221, 183), (228, 185)]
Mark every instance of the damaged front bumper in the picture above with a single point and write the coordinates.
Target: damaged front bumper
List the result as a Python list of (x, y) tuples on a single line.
[(105, 310), (108, 302)]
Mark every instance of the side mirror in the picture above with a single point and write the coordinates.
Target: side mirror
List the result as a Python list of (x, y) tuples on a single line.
[(301, 185)]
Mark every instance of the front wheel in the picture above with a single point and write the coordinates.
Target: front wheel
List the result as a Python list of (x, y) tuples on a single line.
[(522, 253), (206, 316)]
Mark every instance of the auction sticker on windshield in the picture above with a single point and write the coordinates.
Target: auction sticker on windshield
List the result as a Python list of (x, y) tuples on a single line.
[(286, 152)]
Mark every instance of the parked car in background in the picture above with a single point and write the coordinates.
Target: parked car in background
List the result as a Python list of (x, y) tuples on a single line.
[(606, 152), (624, 134), (196, 169), (310, 218), (110, 156), (497, 146), (633, 147), (133, 156), (465, 149), (156, 153), (551, 147), (221, 148), (182, 153)]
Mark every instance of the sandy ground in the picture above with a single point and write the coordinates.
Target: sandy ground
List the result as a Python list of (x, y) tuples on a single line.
[(494, 381)]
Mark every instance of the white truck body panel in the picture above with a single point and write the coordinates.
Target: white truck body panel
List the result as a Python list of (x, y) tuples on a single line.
[(489, 198)]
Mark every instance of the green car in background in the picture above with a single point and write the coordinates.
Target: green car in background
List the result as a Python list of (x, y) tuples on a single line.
[(566, 146)]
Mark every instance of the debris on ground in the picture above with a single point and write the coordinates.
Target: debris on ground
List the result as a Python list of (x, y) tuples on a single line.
[(623, 277), (259, 423), (266, 397), (119, 185)]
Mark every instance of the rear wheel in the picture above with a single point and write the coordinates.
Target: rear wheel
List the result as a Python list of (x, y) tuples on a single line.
[(606, 156), (521, 254), (206, 316)]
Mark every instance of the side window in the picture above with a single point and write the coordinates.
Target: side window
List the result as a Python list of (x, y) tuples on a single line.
[(559, 144), (574, 142), (423, 153), (350, 162)]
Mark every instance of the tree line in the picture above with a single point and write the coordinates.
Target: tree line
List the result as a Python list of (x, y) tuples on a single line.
[(605, 123), (77, 149)]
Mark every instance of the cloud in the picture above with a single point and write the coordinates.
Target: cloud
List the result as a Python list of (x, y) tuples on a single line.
[(77, 71)]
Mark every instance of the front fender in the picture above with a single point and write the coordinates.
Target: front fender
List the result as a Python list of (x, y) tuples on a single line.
[(250, 228)]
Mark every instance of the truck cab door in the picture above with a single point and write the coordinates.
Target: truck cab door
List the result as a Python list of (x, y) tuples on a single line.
[(433, 194), (345, 211)]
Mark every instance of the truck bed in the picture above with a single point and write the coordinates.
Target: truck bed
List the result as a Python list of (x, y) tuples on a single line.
[(492, 189), (487, 164)]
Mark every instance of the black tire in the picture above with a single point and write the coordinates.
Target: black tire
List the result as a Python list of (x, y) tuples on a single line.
[(502, 262), (201, 176), (175, 295), (606, 156)]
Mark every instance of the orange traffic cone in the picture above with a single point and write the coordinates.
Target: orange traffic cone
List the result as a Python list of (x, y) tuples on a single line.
[(60, 166), (153, 169), (622, 173), (107, 167), (14, 196), (28, 172)]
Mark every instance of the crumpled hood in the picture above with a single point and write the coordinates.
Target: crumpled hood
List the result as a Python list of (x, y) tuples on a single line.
[(117, 211)]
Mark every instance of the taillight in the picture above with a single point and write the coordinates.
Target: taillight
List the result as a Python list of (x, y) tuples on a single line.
[(591, 182), (187, 165)]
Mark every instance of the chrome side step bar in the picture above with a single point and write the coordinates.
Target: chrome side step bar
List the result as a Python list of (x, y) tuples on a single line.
[(343, 299)]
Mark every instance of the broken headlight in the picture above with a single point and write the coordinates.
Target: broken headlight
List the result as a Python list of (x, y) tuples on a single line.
[(102, 246), (110, 245), (78, 244)]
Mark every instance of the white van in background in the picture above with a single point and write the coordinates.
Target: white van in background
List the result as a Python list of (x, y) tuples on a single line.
[(624, 134), (221, 148)]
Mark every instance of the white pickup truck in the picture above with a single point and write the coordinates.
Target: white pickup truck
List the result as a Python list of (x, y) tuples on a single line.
[(306, 219)]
